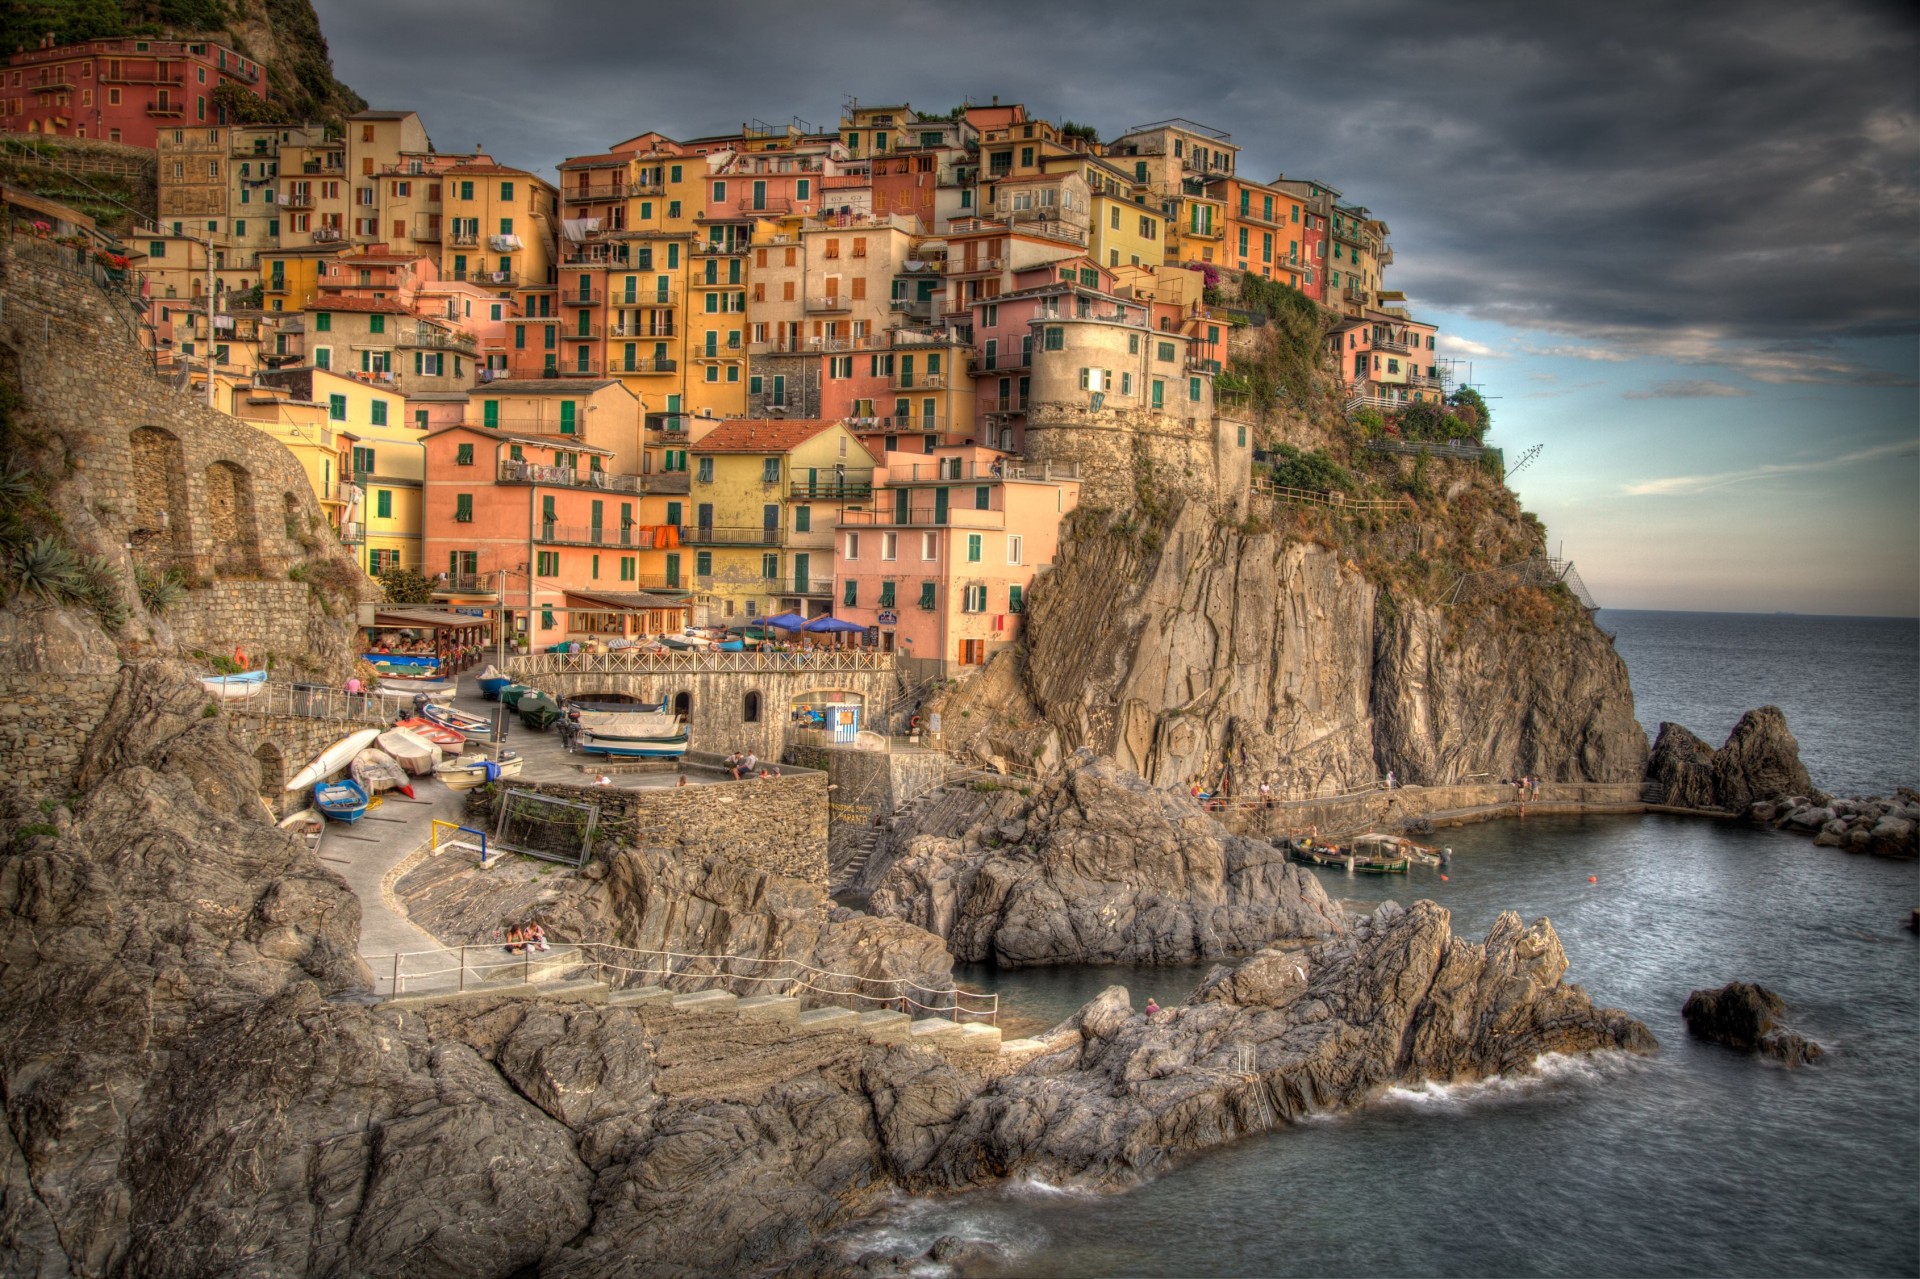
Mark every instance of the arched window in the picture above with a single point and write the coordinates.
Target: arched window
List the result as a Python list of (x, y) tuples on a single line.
[(683, 705), (750, 708)]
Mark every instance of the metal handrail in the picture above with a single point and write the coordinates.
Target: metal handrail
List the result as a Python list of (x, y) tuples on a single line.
[(631, 661)]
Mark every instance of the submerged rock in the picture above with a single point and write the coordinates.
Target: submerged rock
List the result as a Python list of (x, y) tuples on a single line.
[(1742, 1016)]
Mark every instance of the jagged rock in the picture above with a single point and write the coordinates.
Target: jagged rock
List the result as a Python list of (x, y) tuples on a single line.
[(1111, 870), (1760, 758), (1759, 762), (652, 900), (1398, 998), (1682, 766), (1207, 648), (1742, 1016)]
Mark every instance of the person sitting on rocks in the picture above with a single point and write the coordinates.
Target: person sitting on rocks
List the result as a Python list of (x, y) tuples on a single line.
[(733, 765), (766, 775), (748, 763), (682, 781), (536, 938), (1152, 1007), (515, 940)]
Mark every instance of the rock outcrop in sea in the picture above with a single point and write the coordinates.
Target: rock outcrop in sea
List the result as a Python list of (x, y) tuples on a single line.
[(1102, 868), (1760, 758), (203, 1086), (1744, 1017)]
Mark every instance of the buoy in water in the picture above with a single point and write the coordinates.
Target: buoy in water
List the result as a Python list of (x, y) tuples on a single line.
[(1443, 878), (1593, 879)]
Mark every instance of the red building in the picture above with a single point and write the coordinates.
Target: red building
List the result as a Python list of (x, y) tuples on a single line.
[(121, 90)]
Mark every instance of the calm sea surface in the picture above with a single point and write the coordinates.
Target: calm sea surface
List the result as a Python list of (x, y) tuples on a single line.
[(1694, 1161)]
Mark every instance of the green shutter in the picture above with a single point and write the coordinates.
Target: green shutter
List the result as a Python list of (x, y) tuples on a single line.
[(463, 507), (973, 548), (383, 504), (490, 412), (463, 455), (927, 595), (851, 597), (566, 417)]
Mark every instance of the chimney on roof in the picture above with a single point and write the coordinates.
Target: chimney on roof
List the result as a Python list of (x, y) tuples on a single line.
[(996, 99)]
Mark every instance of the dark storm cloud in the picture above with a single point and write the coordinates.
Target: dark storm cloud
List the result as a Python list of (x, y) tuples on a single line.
[(1695, 181)]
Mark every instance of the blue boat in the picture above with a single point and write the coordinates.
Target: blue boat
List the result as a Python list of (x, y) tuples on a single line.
[(343, 801), (459, 721), (400, 662), (634, 748), (490, 686)]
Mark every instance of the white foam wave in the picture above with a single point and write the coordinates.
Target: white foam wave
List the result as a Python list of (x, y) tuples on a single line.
[(1549, 1072)]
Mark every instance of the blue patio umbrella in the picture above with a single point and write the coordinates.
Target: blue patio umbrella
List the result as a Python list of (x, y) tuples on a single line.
[(788, 621), (830, 625)]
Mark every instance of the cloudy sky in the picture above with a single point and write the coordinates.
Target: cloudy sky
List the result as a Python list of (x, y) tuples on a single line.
[(1679, 245)]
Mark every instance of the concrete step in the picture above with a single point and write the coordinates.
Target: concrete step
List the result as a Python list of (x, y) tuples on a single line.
[(935, 1032), (634, 995), (829, 1019), (978, 1037), (883, 1027), (775, 1008), (706, 1001), (553, 965), (585, 992)]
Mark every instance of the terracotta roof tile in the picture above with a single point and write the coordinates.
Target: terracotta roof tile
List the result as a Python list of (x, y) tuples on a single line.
[(377, 306), (762, 435)]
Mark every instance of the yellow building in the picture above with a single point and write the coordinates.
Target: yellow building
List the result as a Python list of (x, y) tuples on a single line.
[(765, 495), (379, 492), (290, 278), (499, 226)]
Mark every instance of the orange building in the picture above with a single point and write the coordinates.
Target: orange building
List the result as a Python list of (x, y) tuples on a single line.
[(942, 559)]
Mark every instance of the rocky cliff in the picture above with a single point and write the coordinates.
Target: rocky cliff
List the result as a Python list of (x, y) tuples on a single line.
[(1309, 651), (1103, 868), (197, 1084)]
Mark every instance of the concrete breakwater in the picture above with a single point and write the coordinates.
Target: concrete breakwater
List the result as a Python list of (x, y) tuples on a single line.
[(1410, 806)]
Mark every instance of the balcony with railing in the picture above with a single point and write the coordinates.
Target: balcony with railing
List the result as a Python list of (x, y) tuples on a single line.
[(747, 206), (913, 308), (617, 189), (167, 109), (440, 339), (1004, 404), (578, 295), (833, 487), (728, 248), (927, 515), (644, 298), (910, 423), (586, 535), (514, 472), (486, 278), (464, 239), (467, 584), (581, 333), (427, 229), (718, 535), (352, 533), (829, 303), (647, 367), (1398, 346), (296, 199), (959, 470), (974, 265), (905, 380), (1195, 364), (1002, 360), (808, 586)]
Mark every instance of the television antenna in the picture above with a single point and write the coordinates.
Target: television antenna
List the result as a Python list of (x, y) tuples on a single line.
[(1526, 460)]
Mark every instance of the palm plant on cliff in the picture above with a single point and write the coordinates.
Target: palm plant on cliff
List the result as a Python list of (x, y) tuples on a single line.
[(45, 567)]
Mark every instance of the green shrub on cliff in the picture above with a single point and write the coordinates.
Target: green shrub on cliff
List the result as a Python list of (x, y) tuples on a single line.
[(405, 586), (1294, 468)]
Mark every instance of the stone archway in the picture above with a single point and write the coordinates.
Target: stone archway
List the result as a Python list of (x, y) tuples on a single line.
[(162, 533), (272, 769), (232, 532)]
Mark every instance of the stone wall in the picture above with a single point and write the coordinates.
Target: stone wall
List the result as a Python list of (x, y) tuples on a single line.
[(779, 825), (869, 784), (44, 725), (153, 478), (717, 719), (1121, 451)]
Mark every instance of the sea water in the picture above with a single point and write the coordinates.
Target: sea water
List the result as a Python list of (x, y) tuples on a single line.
[(1696, 1160)]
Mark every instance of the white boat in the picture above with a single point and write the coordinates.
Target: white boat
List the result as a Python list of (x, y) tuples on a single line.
[(470, 771), (308, 824), (376, 771), (407, 692), (628, 725), (410, 750), (333, 759), (233, 688)]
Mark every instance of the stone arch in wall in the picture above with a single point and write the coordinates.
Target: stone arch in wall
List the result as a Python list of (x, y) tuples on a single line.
[(162, 534), (232, 533), (683, 704), (750, 707), (271, 766)]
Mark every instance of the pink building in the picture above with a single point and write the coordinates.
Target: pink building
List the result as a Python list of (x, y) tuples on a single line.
[(943, 558)]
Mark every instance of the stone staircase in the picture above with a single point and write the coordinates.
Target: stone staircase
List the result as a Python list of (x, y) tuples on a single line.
[(776, 1017), (925, 804)]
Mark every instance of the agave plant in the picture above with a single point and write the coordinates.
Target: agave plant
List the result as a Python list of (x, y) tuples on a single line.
[(104, 591), (159, 591), (48, 568)]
